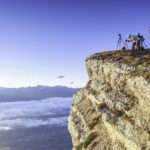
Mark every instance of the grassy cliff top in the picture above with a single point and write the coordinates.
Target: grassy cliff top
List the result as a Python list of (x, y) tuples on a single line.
[(125, 56), (139, 60)]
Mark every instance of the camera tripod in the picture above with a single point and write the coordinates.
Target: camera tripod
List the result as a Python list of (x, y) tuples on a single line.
[(121, 44)]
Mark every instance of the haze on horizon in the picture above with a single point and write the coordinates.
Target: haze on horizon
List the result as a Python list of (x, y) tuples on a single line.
[(43, 39)]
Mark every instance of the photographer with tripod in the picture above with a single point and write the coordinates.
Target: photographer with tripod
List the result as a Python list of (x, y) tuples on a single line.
[(137, 41)]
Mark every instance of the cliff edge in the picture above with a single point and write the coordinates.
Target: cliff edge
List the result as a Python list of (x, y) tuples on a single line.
[(113, 111)]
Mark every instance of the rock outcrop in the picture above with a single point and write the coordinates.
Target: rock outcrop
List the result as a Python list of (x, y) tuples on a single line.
[(113, 111)]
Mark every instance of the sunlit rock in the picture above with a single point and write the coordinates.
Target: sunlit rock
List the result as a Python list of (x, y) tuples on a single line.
[(113, 111)]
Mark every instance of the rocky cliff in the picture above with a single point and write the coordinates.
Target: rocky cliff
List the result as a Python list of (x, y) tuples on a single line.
[(113, 111)]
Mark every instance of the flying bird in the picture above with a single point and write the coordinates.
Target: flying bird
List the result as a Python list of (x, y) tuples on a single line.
[(60, 77), (72, 83)]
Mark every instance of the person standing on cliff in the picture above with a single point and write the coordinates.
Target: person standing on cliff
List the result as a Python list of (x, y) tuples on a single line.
[(136, 41), (141, 41)]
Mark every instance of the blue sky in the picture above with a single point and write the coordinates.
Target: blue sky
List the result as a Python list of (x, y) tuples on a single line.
[(42, 39)]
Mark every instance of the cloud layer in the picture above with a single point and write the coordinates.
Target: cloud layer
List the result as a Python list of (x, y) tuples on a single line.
[(29, 113)]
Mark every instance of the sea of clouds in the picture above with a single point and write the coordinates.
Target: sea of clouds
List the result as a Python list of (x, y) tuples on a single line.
[(29, 113)]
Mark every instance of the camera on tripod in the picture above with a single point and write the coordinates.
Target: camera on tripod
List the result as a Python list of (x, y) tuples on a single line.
[(121, 44)]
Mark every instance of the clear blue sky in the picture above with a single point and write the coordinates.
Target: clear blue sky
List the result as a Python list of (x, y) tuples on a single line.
[(42, 39)]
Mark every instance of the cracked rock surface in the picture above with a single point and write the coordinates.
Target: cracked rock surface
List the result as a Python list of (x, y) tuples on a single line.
[(113, 111)]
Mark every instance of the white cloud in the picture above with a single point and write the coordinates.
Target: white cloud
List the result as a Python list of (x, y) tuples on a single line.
[(25, 113), (28, 123)]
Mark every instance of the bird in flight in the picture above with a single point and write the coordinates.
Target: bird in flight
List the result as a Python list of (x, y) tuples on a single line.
[(60, 77), (72, 83)]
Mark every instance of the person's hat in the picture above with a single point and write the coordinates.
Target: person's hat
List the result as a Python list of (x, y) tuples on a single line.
[(129, 35)]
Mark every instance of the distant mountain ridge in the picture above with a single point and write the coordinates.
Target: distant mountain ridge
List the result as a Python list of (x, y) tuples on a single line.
[(35, 93)]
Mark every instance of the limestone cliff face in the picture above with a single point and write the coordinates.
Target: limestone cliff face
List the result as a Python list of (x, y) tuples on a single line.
[(113, 111)]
